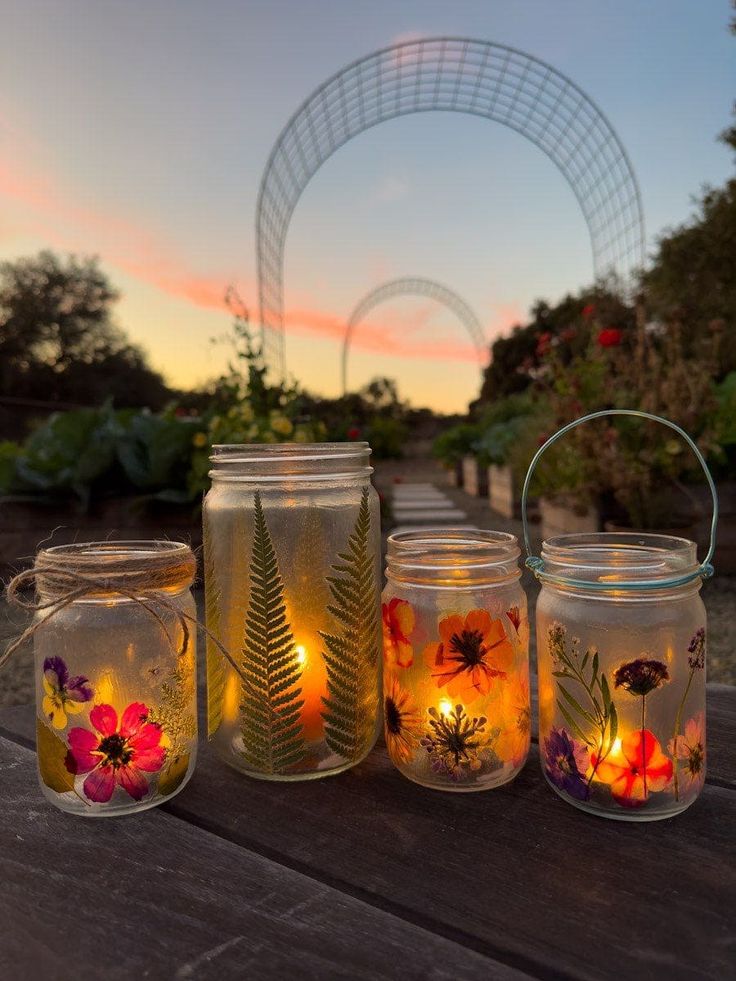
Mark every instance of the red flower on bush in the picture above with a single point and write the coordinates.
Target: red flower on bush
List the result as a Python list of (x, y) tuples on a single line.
[(610, 337), (353, 433), (568, 334), (544, 343), (588, 311)]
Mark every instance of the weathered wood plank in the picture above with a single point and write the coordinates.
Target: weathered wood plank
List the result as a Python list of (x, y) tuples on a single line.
[(156, 897), (516, 872)]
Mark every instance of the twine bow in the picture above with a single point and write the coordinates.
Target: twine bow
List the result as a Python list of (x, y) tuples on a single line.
[(61, 578)]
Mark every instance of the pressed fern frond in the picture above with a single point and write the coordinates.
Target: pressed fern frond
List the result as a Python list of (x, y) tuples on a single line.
[(216, 668), (273, 737), (352, 691)]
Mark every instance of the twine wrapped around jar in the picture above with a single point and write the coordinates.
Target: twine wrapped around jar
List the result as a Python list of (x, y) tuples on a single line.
[(61, 578)]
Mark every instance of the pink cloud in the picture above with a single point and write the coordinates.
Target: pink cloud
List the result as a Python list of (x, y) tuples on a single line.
[(66, 220)]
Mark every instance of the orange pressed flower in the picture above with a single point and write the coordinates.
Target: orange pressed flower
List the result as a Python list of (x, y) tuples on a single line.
[(473, 652), (398, 624), (636, 769), (512, 744), (402, 722)]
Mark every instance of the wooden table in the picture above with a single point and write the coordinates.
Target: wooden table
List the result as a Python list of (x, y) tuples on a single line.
[(365, 876)]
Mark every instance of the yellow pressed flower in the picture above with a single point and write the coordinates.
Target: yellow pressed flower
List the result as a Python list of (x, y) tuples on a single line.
[(200, 440)]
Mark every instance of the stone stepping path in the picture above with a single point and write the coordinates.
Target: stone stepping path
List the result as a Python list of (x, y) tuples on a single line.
[(424, 504)]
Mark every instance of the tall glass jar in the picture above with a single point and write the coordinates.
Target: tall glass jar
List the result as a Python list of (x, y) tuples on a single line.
[(622, 673), (292, 560), (456, 658), (115, 675)]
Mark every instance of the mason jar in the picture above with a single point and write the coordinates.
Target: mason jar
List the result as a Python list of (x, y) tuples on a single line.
[(115, 665), (292, 564), (622, 673), (456, 704)]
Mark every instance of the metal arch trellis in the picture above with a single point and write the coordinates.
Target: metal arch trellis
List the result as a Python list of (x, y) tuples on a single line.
[(412, 286), (457, 75)]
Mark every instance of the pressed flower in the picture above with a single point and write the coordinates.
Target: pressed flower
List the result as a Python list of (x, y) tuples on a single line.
[(402, 722), (520, 624), (116, 755), (398, 624), (641, 676), (565, 763), (63, 695), (690, 748), (512, 744), (696, 650), (635, 770), (454, 741), (473, 653), (557, 641)]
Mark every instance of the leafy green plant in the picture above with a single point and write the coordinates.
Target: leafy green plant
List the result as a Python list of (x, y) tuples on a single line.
[(70, 452), (387, 437), (273, 736), (455, 443), (350, 705), (154, 450)]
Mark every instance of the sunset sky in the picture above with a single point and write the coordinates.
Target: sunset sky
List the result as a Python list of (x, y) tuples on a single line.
[(139, 130)]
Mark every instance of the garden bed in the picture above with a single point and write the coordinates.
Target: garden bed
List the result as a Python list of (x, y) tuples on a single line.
[(24, 525), (475, 477)]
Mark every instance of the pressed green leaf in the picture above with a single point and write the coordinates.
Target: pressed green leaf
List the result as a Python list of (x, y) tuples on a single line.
[(573, 703), (173, 775), (605, 691), (586, 657), (52, 753), (273, 735), (594, 676), (573, 724), (350, 656), (612, 724)]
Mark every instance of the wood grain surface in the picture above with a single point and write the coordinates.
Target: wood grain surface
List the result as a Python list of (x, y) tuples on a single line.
[(513, 877)]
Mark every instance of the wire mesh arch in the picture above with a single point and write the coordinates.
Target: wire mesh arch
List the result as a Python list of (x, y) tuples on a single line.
[(452, 74), (412, 286)]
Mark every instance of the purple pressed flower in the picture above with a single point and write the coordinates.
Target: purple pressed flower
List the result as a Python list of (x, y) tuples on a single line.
[(641, 676), (62, 694), (565, 763), (696, 650)]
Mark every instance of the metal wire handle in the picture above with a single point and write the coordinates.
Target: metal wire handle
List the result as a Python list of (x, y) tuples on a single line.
[(536, 563)]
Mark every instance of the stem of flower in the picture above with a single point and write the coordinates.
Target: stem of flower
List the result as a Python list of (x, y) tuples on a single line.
[(643, 743), (675, 741)]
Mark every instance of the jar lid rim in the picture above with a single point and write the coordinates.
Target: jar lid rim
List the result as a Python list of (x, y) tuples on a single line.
[(617, 560)]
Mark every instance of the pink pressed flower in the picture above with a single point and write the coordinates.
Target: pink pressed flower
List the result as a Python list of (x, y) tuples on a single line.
[(689, 751), (116, 754)]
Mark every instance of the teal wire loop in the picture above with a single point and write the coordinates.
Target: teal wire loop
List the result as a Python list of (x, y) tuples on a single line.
[(536, 563)]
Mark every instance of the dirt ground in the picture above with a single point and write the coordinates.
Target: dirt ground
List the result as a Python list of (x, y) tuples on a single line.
[(16, 678)]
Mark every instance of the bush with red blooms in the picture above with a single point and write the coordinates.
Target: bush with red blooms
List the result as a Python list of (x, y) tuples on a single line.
[(610, 337)]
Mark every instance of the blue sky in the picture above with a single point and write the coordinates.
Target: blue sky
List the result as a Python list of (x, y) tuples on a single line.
[(140, 130)]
